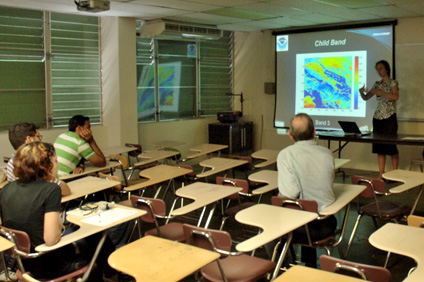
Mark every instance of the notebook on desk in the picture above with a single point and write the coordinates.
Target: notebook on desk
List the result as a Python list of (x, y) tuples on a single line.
[(350, 128)]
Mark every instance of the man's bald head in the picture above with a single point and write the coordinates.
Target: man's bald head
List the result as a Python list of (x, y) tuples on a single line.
[(302, 128)]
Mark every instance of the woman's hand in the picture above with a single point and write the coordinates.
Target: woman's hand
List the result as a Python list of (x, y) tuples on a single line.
[(363, 90)]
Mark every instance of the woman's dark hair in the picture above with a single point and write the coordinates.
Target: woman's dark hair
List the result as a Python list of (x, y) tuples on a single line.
[(385, 64), (33, 160)]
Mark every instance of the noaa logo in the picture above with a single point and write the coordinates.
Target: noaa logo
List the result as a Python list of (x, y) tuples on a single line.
[(282, 43)]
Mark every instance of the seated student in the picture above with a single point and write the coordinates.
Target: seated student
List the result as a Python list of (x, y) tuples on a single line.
[(32, 204), (306, 171), (76, 144), (23, 133)]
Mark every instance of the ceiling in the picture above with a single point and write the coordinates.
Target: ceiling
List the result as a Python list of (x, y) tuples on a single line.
[(244, 15)]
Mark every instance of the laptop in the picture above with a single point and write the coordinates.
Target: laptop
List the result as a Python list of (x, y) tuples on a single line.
[(350, 128)]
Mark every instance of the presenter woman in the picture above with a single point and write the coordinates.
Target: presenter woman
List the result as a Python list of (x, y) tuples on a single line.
[(384, 122)]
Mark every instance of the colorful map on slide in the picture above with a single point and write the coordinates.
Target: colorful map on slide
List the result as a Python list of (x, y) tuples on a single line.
[(328, 83)]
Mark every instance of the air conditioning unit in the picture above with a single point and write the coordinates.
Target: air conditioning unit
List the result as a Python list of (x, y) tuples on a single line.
[(92, 5), (168, 29)]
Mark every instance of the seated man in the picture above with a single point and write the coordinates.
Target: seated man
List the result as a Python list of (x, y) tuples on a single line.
[(306, 171), (76, 144), (24, 133)]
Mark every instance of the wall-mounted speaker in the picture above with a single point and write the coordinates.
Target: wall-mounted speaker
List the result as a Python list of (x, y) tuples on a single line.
[(269, 87)]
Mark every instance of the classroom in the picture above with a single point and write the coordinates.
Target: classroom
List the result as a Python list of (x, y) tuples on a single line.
[(254, 63)]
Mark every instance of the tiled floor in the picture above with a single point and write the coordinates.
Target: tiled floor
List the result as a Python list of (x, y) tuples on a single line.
[(361, 250)]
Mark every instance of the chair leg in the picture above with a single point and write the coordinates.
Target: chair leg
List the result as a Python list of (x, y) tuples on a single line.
[(387, 260), (224, 219), (353, 234), (375, 222)]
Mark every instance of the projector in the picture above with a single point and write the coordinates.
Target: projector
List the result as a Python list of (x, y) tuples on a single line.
[(229, 117), (92, 5)]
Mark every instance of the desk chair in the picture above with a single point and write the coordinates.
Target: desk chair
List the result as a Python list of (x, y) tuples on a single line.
[(116, 190), (22, 250), (419, 162), (416, 221), (228, 211), (310, 206), (156, 209), (232, 266), (384, 210), (358, 270), (244, 168), (135, 153), (124, 167)]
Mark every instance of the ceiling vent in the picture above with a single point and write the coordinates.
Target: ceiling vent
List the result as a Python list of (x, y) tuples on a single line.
[(169, 29), (92, 6)]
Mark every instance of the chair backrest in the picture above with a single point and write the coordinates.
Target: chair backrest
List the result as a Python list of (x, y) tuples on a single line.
[(121, 159), (19, 238), (209, 239), (234, 183), (299, 204), (415, 220), (375, 187), (363, 271), (111, 177), (22, 248), (136, 152), (152, 206), (249, 160)]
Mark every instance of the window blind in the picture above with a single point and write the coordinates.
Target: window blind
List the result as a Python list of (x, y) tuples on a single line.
[(22, 87), (75, 68)]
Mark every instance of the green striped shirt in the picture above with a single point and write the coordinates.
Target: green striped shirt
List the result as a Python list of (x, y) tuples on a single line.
[(70, 148)]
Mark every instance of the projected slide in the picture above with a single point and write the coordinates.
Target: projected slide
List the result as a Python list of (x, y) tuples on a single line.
[(328, 83), (320, 72)]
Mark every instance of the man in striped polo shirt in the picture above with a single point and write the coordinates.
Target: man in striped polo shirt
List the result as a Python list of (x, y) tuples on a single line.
[(76, 144)]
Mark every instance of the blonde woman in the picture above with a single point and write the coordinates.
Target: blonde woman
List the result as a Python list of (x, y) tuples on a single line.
[(32, 204)]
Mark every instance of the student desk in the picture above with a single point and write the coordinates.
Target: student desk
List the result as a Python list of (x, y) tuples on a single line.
[(218, 165), (154, 156), (157, 259), (410, 179), (268, 217), (403, 240), (308, 274), (264, 217), (5, 244), (94, 223), (270, 157), (117, 150), (88, 185), (338, 163), (205, 149), (91, 170), (269, 177), (203, 194), (158, 174)]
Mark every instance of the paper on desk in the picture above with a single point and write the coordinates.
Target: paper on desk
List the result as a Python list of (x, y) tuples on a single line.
[(108, 217)]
